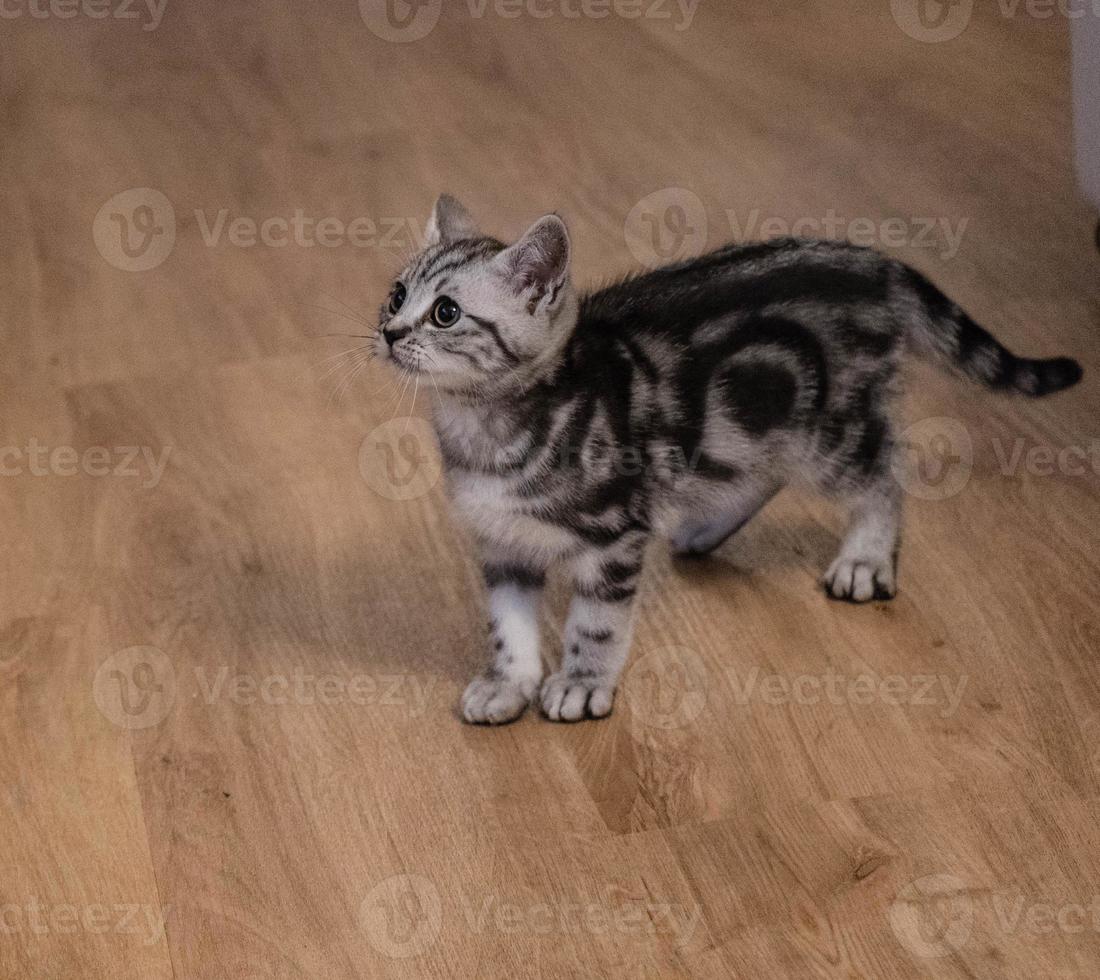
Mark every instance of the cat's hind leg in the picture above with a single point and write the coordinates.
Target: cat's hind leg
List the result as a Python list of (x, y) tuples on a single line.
[(866, 567), (857, 469), (704, 529)]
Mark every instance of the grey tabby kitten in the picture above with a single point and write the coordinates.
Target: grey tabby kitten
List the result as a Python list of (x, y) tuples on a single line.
[(574, 429)]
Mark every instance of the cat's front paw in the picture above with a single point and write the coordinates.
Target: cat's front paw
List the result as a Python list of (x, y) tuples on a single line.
[(497, 700), (571, 697)]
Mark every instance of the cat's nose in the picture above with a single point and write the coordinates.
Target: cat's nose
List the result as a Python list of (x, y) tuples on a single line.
[(393, 336)]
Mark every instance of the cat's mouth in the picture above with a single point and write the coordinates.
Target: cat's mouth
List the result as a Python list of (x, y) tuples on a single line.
[(404, 361)]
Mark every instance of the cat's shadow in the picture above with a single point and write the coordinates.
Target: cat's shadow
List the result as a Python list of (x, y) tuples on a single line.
[(389, 617), (761, 547)]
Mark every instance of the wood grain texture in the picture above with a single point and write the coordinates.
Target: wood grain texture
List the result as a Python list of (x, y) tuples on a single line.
[(788, 787)]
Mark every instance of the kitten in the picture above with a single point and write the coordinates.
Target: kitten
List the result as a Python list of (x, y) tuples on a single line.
[(574, 429)]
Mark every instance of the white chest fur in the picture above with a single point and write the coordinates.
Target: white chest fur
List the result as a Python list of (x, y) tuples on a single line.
[(487, 502)]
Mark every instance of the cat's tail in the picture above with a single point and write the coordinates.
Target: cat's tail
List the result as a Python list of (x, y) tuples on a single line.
[(942, 331)]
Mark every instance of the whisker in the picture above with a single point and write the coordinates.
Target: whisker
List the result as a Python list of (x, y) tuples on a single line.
[(431, 376), (354, 374), (339, 302), (346, 360), (398, 383), (361, 320), (355, 366), (401, 395), (416, 388), (343, 353)]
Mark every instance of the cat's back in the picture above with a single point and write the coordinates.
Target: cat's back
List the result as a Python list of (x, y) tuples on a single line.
[(813, 321), (674, 300)]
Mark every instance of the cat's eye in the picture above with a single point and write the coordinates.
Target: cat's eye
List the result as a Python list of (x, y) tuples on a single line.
[(446, 312), (397, 297)]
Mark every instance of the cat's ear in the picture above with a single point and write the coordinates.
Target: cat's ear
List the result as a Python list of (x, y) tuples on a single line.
[(449, 222), (537, 266)]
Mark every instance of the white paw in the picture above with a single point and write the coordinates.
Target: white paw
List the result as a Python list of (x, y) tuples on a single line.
[(491, 700), (860, 579), (571, 698)]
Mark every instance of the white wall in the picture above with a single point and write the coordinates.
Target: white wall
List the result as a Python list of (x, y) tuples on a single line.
[(1086, 101)]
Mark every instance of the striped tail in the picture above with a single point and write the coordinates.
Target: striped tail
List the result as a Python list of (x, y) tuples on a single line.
[(944, 332)]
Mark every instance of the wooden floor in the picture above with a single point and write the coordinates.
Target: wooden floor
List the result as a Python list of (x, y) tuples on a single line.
[(231, 654)]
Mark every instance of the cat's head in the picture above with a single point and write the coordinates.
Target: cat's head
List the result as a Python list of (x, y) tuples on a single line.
[(476, 314)]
